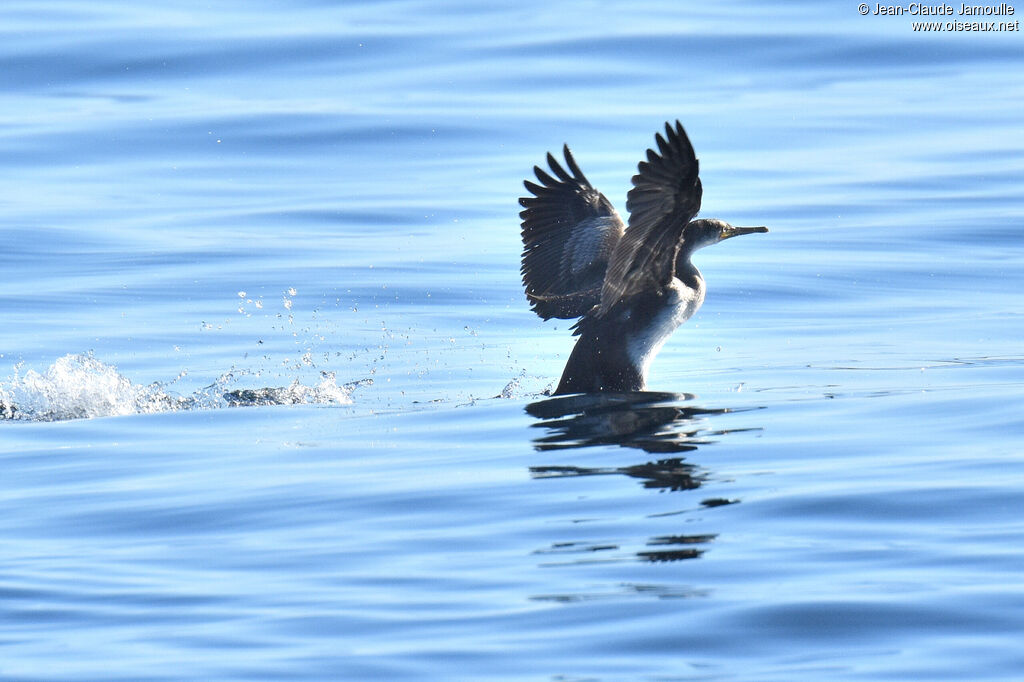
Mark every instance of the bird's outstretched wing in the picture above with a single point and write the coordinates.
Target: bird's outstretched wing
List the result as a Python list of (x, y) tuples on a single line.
[(569, 232), (665, 197)]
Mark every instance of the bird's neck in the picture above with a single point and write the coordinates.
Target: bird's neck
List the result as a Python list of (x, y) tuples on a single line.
[(687, 273)]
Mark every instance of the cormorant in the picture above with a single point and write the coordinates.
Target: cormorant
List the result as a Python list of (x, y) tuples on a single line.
[(630, 287)]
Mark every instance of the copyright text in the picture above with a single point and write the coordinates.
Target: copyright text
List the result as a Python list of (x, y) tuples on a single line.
[(997, 18)]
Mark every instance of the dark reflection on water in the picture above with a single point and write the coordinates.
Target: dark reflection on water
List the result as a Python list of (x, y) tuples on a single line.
[(668, 474), (677, 547), (657, 423), (653, 422), (640, 589)]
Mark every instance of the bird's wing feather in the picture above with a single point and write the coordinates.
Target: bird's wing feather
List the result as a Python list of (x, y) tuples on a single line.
[(569, 232), (665, 197)]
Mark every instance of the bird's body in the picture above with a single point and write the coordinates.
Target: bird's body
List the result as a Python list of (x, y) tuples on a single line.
[(631, 287)]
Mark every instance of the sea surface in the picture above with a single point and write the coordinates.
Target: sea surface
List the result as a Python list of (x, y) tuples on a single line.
[(275, 407)]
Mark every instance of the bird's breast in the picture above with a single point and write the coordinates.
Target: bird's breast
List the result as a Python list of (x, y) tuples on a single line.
[(677, 303)]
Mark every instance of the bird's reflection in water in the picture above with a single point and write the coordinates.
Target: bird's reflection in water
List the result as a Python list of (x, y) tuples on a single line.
[(654, 422), (662, 424)]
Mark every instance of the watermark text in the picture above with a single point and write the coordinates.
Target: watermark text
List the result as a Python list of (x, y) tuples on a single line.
[(943, 18)]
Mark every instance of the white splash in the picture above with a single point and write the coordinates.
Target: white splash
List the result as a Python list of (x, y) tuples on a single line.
[(79, 386)]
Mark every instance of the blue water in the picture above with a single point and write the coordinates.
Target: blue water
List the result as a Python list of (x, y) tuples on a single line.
[(313, 208)]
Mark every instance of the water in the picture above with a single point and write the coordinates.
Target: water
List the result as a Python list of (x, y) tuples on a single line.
[(275, 401)]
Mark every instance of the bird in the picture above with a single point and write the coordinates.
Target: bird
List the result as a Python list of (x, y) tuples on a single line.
[(630, 285)]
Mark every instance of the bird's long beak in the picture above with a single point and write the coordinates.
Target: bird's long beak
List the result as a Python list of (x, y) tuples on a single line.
[(732, 231)]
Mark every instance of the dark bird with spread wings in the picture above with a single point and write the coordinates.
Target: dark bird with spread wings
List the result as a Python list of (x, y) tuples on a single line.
[(631, 286)]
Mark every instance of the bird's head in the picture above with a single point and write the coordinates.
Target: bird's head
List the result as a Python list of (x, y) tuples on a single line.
[(708, 231)]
